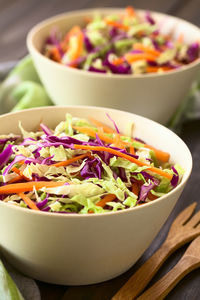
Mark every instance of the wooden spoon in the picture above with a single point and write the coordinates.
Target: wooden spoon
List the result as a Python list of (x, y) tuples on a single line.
[(181, 232), (189, 262)]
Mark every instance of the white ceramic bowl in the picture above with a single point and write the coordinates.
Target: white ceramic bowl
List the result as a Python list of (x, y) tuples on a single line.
[(85, 249), (155, 96)]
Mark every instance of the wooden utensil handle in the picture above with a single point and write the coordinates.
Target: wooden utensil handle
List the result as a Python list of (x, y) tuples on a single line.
[(162, 288), (136, 284)]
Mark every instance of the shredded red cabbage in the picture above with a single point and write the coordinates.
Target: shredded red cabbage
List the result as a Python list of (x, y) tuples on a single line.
[(114, 123), (175, 177), (5, 155), (46, 130)]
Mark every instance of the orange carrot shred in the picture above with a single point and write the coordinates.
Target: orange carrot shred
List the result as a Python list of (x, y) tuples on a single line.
[(155, 69), (77, 48), (74, 30), (70, 161), (97, 123), (118, 61), (16, 179), (139, 46), (116, 24), (17, 171), (130, 11), (118, 142), (161, 155), (92, 133), (104, 200), (55, 54), (126, 156), (27, 186), (28, 201), (132, 151), (131, 57)]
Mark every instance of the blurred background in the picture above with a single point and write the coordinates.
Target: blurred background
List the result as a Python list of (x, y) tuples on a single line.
[(18, 16)]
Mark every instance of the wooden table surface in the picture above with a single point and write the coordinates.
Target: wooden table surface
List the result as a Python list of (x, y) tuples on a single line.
[(16, 18)]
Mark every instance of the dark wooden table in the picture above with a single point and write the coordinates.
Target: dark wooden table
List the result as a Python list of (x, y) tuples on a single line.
[(16, 18)]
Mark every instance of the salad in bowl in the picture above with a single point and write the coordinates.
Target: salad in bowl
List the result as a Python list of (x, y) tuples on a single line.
[(83, 166), (73, 188), (120, 43)]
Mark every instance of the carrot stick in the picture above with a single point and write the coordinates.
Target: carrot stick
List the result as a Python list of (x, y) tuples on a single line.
[(92, 133), (55, 54), (107, 198), (64, 46), (77, 48), (97, 123), (28, 201), (130, 11), (118, 61), (126, 156), (69, 161), (155, 69), (17, 171), (139, 46), (132, 151), (17, 178), (161, 155), (118, 142), (116, 24), (131, 57), (73, 31), (28, 186), (87, 130)]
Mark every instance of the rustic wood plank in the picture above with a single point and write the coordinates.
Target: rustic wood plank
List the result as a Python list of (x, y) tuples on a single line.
[(51, 291)]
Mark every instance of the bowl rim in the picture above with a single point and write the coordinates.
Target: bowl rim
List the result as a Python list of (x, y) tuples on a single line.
[(112, 213), (33, 31)]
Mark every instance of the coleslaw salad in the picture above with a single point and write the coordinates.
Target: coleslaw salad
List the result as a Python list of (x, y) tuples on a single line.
[(83, 166), (125, 43)]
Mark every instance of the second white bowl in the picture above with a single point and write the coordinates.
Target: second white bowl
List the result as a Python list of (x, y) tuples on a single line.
[(155, 96), (85, 249)]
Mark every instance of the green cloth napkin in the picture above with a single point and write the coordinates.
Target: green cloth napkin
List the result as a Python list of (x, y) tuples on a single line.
[(16, 286), (22, 88), (188, 110), (8, 289)]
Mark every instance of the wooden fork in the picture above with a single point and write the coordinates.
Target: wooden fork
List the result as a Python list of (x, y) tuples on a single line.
[(189, 262), (182, 231)]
